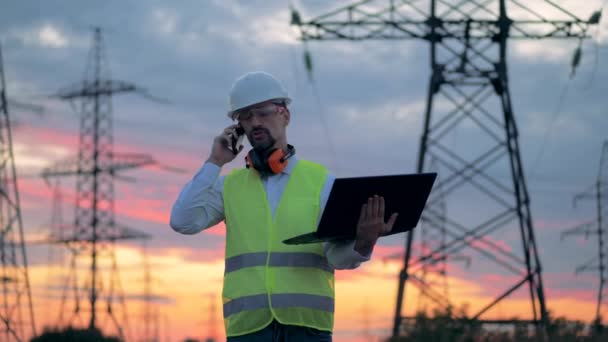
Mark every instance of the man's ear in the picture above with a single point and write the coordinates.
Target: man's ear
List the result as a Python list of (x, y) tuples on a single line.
[(287, 115)]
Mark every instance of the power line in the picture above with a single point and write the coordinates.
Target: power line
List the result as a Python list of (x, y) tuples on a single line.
[(323, 116), (575, 62), (295, 18), (596, 45), (550, 126)]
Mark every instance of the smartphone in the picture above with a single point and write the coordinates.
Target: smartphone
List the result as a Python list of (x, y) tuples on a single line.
[(236, 141)]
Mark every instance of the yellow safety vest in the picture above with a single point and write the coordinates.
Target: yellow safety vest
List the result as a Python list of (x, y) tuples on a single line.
[(264, 278)]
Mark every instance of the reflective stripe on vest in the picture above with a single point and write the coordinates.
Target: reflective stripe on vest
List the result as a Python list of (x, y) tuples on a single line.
[(279, 301), (278, 259)]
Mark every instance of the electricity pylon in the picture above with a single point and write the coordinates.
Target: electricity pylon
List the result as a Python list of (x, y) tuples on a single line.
[(210, 331), (468, 89), (95, 230), (150, 307), (431, 276), (16, 310), (597, 227)]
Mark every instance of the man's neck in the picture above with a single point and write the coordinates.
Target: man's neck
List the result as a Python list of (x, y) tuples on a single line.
[(282, 146)]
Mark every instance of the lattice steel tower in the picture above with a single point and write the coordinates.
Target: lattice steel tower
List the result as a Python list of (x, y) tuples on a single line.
[(211, 320), (16, 310), (431, 274), (468, 90), (431, 267), (150, 308), (95, 229), (597, 227)]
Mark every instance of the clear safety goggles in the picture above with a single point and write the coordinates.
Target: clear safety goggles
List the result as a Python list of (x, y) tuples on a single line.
[(262, 112)]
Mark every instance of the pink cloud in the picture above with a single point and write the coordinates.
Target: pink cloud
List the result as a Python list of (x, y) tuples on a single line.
[(34, 189), (36, 135), (578, 294), (54, 136), (564, 278)]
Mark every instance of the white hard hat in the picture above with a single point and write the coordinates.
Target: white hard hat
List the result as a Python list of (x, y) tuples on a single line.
[(255, 87)]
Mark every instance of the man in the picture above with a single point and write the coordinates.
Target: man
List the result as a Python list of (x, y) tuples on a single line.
[(272, 291)]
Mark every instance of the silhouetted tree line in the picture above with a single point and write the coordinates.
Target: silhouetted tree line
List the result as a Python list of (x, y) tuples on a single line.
[(73, 335), (446, 326), (441, 326), (83, 335)]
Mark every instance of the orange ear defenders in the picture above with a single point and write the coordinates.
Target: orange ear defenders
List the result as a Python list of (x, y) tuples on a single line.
[(269, 162)]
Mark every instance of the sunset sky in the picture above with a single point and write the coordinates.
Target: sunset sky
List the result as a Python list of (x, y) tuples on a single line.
[(372, 98)]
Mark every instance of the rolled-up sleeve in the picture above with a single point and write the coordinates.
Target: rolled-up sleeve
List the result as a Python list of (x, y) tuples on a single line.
[(343, 256)]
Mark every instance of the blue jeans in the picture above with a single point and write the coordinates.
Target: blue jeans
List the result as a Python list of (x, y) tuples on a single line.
[(277, 332)]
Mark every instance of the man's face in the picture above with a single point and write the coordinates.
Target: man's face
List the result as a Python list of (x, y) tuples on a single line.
[(264, 124)]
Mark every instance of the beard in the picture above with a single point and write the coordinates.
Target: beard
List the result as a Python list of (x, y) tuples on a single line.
[(264, 144)]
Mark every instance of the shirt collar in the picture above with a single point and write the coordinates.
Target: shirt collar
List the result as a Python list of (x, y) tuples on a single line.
[(291, 163)]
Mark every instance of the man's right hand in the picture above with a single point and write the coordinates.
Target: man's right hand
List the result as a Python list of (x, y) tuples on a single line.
[(220, 153)]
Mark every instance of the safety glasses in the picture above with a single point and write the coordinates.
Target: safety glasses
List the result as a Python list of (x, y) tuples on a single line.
[(262, 112)]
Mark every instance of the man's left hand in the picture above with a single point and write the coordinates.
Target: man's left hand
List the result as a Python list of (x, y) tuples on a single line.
[(371, 224)]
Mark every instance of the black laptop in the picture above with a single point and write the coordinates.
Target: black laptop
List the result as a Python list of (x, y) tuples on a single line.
[(405, 194)]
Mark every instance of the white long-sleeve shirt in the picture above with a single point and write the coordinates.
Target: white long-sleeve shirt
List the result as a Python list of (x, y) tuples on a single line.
[(200, 205)]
